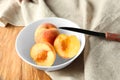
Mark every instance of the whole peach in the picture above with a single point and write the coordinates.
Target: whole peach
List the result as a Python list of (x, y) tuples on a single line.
[(46, 32)]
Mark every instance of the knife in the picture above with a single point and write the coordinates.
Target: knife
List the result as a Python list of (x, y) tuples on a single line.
[(107, 35)]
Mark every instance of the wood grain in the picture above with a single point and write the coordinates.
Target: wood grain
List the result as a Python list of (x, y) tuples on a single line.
[(11, 66)]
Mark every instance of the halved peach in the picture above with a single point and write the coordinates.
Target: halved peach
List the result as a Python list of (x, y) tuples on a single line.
[(43, 54), (46, 32), (67, 46)]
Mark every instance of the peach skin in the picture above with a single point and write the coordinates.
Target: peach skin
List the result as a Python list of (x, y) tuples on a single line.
[(46, 32)]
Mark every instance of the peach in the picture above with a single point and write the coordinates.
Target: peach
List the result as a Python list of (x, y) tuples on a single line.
[(67, 46), (43, 54), (46, 32)]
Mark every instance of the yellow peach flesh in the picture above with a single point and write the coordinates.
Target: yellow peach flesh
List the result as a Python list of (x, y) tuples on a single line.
[(43, 54), (67, 46)]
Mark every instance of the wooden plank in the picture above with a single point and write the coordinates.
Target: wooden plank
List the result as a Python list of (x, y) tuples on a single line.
[(11, 66)]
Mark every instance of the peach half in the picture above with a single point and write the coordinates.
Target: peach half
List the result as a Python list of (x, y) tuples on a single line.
[(67, 46), (43, 54), (46, 32)]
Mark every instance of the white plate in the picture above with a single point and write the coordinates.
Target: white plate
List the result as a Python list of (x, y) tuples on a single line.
[(25, 40)]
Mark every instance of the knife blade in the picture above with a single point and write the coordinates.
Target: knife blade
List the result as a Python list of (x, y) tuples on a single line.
[(107, 35)]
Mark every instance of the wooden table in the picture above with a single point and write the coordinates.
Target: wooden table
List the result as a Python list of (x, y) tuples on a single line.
[(11, 66)]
